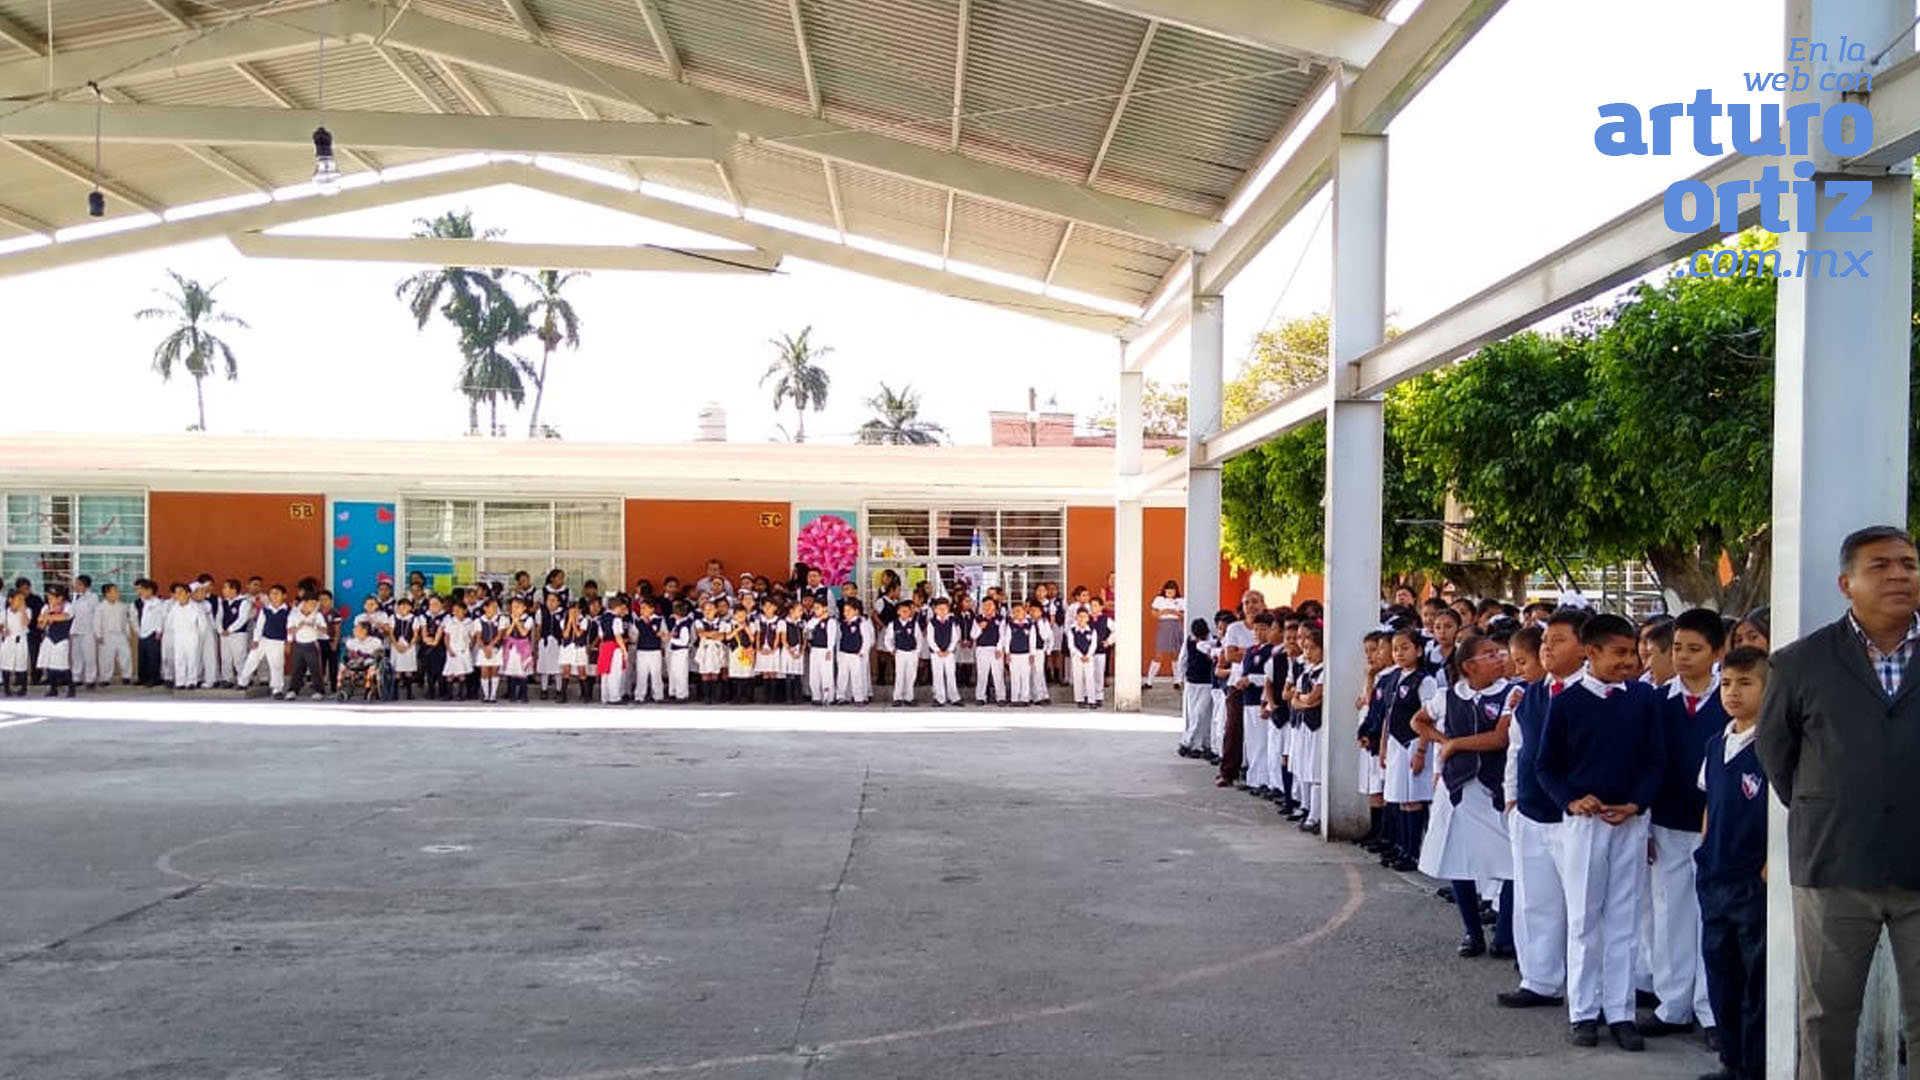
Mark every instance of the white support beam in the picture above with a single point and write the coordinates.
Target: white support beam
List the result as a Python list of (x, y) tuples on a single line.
[(429, 251), (1894, 102), (1206, 373), (206, 155), (806, 58), (249, 126), (825, 252), (1302, 406), (21, 38), (25, 222), (412, 78), (1410, 59), (1053, 267), (961, 33), (1289, 26), (1632, 244), (946, 234), (1356, 460), (737, 116), (1156, 335), (253, 218), (1129, 546), (67, 167), (185, 51), (662, 41), (1120, 103), (526, 21), (463, 88), (731, 187), (833, 199)]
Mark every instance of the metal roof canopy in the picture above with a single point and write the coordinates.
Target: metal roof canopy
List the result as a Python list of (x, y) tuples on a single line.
[(1081, 148)]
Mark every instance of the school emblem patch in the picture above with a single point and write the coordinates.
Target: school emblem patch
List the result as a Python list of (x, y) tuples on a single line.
[(1492, 710), (1750, 785), (1405, 690)]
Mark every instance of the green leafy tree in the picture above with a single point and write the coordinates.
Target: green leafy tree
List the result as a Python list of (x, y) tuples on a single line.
[(896, 420), (555, 323), (191, 344), (489, 369), (465, 297), (798, 378), (1163, 410), (1286, 357)]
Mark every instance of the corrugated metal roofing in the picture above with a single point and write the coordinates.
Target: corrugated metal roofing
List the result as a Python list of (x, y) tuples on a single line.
[(1042, 82)]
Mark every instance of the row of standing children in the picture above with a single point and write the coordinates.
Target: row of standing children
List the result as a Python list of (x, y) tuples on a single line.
[(1598, 777)]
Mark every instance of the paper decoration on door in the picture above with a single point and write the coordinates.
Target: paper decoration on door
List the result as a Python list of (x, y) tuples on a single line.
[(363, 540), (830, 541)]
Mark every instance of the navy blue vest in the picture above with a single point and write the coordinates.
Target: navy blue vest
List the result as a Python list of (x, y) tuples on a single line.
[(647, 632), (1735, 847), (1680, 800), (817, 637), (1197, 666), (1304, 683), (1475, 716), (1531, 717), (1403, 703), (850, 634), (1376, 715), (941, 633), (904, 639), (273, 624), (1019, 638), (1083, 640), (987, 635)]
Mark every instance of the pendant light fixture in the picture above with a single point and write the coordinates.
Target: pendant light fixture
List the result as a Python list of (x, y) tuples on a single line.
[(326, 171), (96, 199)]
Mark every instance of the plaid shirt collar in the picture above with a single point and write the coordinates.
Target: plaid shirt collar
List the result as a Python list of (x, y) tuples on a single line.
[(1891, 667)]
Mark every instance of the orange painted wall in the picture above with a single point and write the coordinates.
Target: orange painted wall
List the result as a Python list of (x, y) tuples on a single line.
[(1163, 543), (678, 536), (235, 535)]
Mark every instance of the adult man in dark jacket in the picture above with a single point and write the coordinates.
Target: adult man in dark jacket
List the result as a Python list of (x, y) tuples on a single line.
[(1840, 741)]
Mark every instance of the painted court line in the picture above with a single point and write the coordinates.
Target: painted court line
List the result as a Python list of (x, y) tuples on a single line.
[(21, 722)]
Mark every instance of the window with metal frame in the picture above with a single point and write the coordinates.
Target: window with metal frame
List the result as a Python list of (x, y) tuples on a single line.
[(462, 541), (51, 537), (1013, 549)]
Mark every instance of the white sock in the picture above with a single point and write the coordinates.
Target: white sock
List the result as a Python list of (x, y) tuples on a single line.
[(1153, 672)]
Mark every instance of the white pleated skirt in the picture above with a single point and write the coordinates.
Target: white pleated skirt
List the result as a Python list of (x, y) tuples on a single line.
[(1401, 785), (1469, 841)]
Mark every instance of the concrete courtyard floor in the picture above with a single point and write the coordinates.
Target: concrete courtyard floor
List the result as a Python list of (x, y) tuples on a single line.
[(223, 890)]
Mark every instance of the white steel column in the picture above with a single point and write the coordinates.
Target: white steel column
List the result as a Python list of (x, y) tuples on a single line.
[(1129, 548), (1356, 454), (1841, 373), (1206, 373)]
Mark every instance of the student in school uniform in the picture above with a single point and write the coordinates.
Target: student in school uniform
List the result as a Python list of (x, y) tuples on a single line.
[(14, 658), (1656, 651), (113, 636), (741, 641), (267, 643), (1023, 646), (1101, 619), (851, 645), (769, 648), (458, 630), (943, 653), (1468, 841), (206, 598), (406, 646), (489, 646), (904, 633), (1408, 783), (56, 629), (793, 652), (989, 653), (1602, 759), (84, 652), (610, 662), (1257, 726), (551, 615), (819, 629), (1169, 615), (234, 622), (1305, 705), (149, 618), (577, 651), (1730, 874), (680, 645), (1083, 644), (1283, 741), (433, 648), (1372, 708), (1546, 660), (307, 629), (650, 634), (185, 634), (1690, 715)]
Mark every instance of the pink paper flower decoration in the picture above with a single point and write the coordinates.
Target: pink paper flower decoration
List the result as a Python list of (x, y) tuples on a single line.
[(828, 543)]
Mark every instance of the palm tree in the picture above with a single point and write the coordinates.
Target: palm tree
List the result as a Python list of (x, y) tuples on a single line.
[(190, 344), (467, 298), (487, 369), (798, 379), (555, 323), (897, 422)]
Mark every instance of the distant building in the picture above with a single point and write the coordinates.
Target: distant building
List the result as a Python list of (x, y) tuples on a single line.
[(1060, 429)]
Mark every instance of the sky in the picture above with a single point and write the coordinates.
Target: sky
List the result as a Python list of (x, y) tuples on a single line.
[(1491, 167)]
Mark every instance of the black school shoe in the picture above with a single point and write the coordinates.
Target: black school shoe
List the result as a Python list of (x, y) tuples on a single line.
[(1586, 1033), (1654, 1027), (1713, 1043), (1524, 998), (1469, 948), (1627, 1037)]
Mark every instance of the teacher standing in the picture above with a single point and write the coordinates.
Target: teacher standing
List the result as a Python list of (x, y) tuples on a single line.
[(1840, 741)]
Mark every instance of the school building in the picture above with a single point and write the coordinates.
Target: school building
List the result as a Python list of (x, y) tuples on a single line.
[(354, 512)]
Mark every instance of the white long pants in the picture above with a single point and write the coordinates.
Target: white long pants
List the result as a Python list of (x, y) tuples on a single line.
[(1601, 868), (116, 658), (649, 675), (614, 683), (233, 656), (1100, 668), (988, 672), (1255, 730), (84, 656), (185, 650), (941, 672), (1540, 905), (1086, 687), (209, 669), (274, 655), (678, 663), (820, 674), (849, 669), (1679, 968), (1037, 678), (1218, 725), (1020, 677), (905, 667), (1197, 706)]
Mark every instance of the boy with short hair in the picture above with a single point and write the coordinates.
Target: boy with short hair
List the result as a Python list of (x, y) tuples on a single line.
[(152, 624), (113, 630), (307, 629), (943, 648), (1602, 757), (1731, 870), (235, 624), (186, 631), (1656, 651), (904, 639), (268, 644), (85, 651), (1690, 715), (1196, 670)]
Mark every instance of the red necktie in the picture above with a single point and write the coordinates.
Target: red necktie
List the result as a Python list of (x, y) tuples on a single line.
[(1693, 703), (1613, 692), (1554, 690)]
